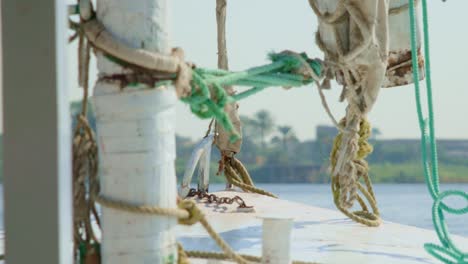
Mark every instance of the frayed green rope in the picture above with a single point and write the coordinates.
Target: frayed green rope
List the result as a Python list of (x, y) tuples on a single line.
[(448, 252), (208, 97)]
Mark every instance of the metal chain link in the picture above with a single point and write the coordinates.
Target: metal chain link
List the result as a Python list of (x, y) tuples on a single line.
[(212, 198)]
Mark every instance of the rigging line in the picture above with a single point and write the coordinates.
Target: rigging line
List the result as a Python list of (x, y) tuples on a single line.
[(448, 251)]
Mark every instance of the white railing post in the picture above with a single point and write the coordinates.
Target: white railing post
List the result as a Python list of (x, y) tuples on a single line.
[(276, 237), (136, 137)]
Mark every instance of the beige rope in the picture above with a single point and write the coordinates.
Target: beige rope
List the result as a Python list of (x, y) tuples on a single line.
[(222, 256), (346, 62), (237, 175), (183, 257), (340, 198), (85, 164), (308, 72), (140, 209), (152, 61), (242, 171), (188, 213)]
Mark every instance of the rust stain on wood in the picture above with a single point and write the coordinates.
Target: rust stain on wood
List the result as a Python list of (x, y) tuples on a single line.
[(400, 68)]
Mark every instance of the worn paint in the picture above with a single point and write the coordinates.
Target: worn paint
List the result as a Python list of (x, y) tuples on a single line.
[(400, 69)]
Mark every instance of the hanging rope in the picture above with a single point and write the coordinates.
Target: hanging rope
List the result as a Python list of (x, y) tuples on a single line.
[(448, 252), (187, 213), (364, 216), (237, 175), (85, 166), (358, 61), (199, 87), (234, 171)]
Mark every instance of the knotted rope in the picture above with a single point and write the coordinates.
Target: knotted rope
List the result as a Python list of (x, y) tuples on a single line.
[(448, 252), (359, 63), (85, 165), (237, 175), (208, 97), (188, 214), (341, 185), (199, 87), (155, 63)]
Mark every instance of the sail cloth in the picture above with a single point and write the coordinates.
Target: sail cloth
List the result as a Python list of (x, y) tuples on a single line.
[(354, 35)]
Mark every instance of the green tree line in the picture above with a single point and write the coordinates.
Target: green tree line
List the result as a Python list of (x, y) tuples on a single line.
[(273, 153)]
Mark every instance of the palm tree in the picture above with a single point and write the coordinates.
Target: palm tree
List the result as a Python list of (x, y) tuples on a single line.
[(249, 128), (285, 132), (375, 133), (265, 124)]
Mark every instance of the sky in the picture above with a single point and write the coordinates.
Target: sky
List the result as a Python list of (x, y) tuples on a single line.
[(257, 27)]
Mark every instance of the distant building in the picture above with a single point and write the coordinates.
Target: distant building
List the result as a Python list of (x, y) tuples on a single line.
[(324, 140)]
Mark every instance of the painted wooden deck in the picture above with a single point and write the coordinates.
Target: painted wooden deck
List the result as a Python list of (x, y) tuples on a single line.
[(321, 235)]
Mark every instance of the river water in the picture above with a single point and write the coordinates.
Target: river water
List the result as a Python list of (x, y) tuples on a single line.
[(408, 204)]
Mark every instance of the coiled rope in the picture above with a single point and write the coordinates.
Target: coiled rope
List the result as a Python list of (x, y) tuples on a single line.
[(364, 216), (448, 252)]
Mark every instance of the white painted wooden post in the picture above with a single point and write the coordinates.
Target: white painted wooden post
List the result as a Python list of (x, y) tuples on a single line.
[(37, 140), (136, 134), (276, 237)]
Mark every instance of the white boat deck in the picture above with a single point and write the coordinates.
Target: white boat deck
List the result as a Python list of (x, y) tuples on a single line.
[(321, 235)]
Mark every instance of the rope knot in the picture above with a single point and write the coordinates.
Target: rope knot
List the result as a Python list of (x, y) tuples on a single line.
[(195, 214), (364, 133), (300, 64), (184, 73)]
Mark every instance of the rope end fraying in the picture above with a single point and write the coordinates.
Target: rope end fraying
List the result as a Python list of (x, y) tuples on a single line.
[(298, 63)]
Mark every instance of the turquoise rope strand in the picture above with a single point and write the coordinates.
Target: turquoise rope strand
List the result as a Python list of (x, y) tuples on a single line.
[(208, 97), (448, 252)]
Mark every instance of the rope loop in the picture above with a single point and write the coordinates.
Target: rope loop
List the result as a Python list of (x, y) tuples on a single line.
[(345, 186), (448, 252), (237, 175), (194, 214)]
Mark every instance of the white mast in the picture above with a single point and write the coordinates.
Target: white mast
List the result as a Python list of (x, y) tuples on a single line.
[(136, 137), (37, 142)]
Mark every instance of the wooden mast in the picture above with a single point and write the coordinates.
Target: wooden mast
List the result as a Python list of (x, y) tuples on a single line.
[(136, 136)]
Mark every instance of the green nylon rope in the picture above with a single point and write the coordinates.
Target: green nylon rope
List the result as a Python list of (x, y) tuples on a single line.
[(208, 96), (448, 252)]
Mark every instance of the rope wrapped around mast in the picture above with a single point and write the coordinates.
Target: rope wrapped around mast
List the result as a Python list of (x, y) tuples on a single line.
[(203, 88)]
